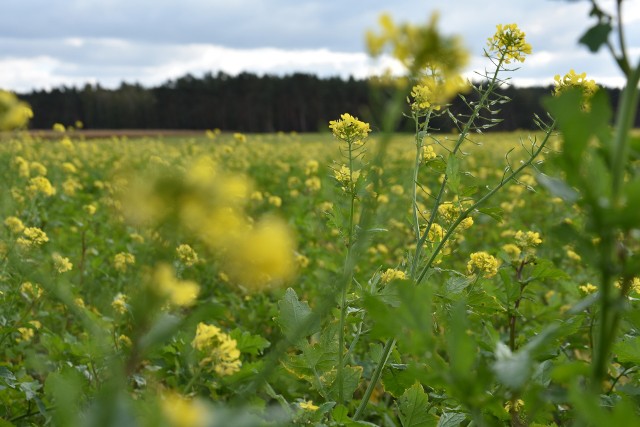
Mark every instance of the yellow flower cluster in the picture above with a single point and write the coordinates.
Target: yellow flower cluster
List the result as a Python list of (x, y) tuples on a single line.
[(418, 47), (61, 264), (571, 80), (434, 91), (220, 350), (27, 333), (509, 44), (527, 239), (182, 293), (392, 274), (122, 260), (119, 303), (182, 412), (187, 255), (308, 405), (210, 205), (32, 237), (13, 112), (483, 262), (40, 185), (14, 224), (265, 257), (30, 290), (349, 128), (346, 177), (428, 153)]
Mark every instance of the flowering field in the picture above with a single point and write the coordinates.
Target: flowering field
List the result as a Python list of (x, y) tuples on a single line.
[(123, 291), (352, 278)]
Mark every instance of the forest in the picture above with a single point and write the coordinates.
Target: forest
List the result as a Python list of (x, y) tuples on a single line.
[(251, 103)]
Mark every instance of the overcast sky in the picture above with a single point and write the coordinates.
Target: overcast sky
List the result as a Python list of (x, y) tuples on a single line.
[(49, 43)]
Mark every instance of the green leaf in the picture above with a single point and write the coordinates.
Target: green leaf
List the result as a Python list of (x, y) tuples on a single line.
[(8, 377), (30, 389), (396, 380), (495, 213), (596, 36), (453, 173), (247, 343), (545, 269), (350, 382), (295, 318), (457, 284), (340, 414), (160, 331), (512, 369), (558, 188), (414, 408), (628, 350), (451, 419), (462, 348)]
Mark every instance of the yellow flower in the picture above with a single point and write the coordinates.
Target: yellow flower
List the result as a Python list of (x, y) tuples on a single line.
[(240, 138), (32, 237), (31, 291), (515, 406), (264, 256), (14, 224), (313, 183), (428, 153), (571, 80), (58, 127), (119, 303), (308, 405), (392, 274), (436, 90), (122, 260), (345, 177), (512, 250), (182, 293), (449, 211), (485, 263), (528, 239), (70, 186), (418, 47), (69, 167), (220, 350), (466, 223), (187, 255), (588, 288), (349, 128), (13, 112), (90, 208), (61, 264), (508, 43), (275, 201), (182, 412), (311, 167), (124, 341), (42, 185)]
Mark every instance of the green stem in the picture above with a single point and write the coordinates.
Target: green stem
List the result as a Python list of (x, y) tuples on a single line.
[(609, 312), (481, 201), (386, 352), (348, 276), (624, 123)]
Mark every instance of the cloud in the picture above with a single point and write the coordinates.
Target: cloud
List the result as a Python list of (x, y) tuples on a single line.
[(150, 41)]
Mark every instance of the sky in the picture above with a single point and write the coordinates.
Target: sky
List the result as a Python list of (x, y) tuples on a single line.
[(49, 43)]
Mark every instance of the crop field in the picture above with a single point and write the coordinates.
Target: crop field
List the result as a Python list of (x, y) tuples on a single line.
[(353, 277), (121, 294)]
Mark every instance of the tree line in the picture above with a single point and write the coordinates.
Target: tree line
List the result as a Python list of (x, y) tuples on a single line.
[(250, 103)]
